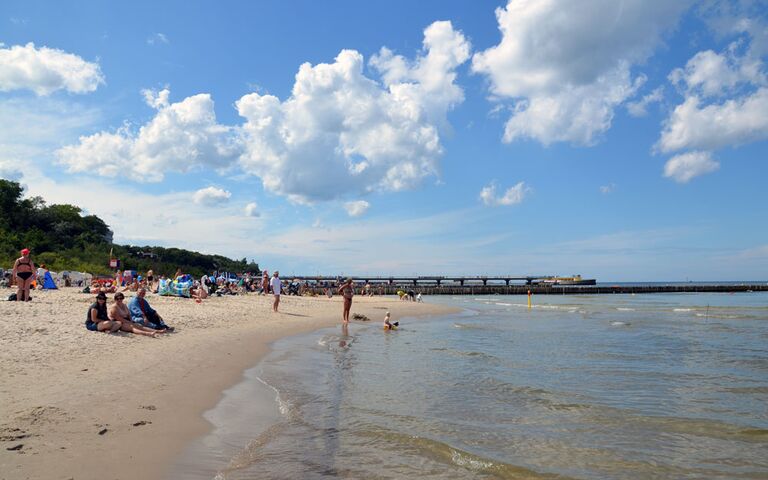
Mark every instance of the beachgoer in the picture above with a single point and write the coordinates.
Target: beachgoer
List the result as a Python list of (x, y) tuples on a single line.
[(119, 312), (389, 325), (418, 297), (276, 287), (198, 292), (347, 290), (178, 274), (41, 275), (133, 286), (24, 272), (143, 314), (97, 319), (265, 282)]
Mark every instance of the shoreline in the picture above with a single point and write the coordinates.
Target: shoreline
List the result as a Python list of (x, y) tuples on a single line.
[(63, 385)]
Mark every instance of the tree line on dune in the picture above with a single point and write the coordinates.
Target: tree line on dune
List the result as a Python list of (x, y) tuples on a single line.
[(62, 238)]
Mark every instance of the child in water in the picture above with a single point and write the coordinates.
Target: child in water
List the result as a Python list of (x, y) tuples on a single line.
[(388, 325)]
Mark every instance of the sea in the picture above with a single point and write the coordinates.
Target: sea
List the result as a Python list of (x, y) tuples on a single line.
[(651, 386)]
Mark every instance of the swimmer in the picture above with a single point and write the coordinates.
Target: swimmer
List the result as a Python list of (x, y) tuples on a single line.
[(388, 325)]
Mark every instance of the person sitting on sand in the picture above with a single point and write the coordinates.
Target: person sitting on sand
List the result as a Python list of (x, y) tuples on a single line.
[(145, 315), (133, 286), (97, 319), (41, 275), (197, 292), (119, 313), (347, 290), (24, 274), (389, 325)]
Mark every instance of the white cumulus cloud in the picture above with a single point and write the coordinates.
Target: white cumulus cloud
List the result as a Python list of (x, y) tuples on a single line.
[(45, 70), (341, 133), (211, 196), (693, 125), (252, 210), (725, 97), (682, 168), (714, 74), (512, 196), (356, 208), (566, 69), (181, 137)]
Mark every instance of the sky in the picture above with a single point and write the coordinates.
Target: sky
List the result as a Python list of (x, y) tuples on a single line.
[(619, 140)]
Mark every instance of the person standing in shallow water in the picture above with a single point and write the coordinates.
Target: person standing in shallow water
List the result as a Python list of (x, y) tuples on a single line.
[(347, 290)]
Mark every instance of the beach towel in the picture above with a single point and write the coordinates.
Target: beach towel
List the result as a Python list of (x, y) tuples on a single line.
[(48, 283), (174, 288)]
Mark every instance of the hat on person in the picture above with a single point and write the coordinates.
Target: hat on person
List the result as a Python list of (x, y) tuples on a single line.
[(25, 251)]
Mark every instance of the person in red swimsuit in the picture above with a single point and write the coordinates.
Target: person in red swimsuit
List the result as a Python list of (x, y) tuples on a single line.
[(24, 272)]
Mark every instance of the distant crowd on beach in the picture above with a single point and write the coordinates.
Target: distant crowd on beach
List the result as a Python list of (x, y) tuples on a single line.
[(137, 316)]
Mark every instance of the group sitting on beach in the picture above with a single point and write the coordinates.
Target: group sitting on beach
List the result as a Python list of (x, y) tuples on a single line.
[(136, 317)]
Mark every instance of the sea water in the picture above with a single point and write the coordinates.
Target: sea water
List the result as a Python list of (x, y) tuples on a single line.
[(598, 386)]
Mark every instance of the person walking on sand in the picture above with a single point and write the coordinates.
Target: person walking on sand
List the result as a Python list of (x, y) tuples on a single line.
[(24, 273), (276, 287), (347, 290)]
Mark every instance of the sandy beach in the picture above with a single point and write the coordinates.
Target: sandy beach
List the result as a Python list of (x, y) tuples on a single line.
[(76, 404)]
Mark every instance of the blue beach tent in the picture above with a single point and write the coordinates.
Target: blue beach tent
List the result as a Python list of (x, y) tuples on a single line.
[(48, 283)]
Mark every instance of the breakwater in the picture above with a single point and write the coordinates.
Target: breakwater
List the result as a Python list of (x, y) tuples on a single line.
[(390, 289)]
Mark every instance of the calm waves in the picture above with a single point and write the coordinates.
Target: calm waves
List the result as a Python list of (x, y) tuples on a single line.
[(612, 386)]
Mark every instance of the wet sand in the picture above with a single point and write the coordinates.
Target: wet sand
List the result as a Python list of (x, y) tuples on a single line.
[(80, 404)]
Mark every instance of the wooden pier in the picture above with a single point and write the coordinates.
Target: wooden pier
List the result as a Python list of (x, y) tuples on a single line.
[(503, 285)]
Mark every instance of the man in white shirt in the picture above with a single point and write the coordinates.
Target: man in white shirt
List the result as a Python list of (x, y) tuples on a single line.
[(276, 286)]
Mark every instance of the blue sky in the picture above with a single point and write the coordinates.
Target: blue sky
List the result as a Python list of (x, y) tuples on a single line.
[(622, 140)]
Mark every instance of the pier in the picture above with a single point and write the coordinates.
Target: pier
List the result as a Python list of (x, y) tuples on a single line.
[(504, 285)]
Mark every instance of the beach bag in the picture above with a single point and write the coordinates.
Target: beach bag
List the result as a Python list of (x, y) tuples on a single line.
[(12, 297)]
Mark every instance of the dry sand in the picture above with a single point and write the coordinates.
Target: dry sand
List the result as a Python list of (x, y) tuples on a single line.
[(76, 404)]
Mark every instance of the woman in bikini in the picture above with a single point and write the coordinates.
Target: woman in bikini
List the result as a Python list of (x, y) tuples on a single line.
[(97, 319), (120, 313), (24, 271), (347, 290)]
